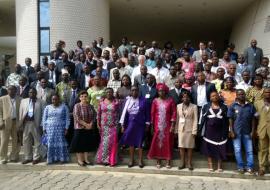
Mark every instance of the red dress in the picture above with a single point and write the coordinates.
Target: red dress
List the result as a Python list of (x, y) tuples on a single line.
[(162, 113)]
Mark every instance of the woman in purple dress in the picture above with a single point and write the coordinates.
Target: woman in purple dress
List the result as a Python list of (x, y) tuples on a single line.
[(214, 124), (135, 120)]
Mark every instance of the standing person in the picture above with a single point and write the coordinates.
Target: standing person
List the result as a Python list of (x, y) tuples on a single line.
[(262, 131), (220, 78), (163, 117), (23, 88), (124, 90), (255, 93), (13, 78), (228, 95), (30, 117), (245, 84), (241, 130), (214, 124), (63, 88), (84, 139), (9, 120), (115, 83), (253, 56), (177, 92), (55, 124), (45, 93), (135, 120), (96, 92), (3, 91), (186, 127), (107, 122)]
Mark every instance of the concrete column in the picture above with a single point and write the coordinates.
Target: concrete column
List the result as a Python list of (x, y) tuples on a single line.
[(73, 20), (26, 30)]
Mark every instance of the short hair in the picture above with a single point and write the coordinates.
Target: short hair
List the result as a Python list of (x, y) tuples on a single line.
[(240, 90), (82, 92), (266, 58), (187, 93), (33, 88)]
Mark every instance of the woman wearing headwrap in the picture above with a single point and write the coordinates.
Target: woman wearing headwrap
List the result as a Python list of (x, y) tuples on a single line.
[(163, 117)]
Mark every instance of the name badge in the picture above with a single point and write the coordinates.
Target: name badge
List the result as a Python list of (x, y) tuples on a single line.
[(147, 96), (98, 97), (255, 54), (182, 120)]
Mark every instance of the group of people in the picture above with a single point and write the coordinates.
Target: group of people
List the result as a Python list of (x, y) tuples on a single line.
[(138, 97)]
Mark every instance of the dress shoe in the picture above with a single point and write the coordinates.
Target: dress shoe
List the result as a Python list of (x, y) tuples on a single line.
[(3, 162), (26, 161), (35, 162)]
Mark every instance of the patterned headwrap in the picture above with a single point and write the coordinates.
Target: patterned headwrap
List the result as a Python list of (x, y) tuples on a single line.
[(162, 86)]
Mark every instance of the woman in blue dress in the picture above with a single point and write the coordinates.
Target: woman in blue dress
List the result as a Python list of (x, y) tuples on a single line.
[(55, 125)]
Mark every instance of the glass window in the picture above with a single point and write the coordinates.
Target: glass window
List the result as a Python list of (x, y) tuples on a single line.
[(44, 41), (44, 15)]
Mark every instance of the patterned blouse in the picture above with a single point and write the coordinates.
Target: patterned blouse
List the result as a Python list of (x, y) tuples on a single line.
[(83, 112), (253, 95)]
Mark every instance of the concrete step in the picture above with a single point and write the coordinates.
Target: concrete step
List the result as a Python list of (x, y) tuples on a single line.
[(199, 164)]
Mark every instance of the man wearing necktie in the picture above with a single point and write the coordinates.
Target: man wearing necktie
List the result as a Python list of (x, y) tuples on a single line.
[(30, 115)]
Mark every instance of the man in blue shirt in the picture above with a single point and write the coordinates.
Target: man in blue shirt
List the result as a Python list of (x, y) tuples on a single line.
[(241, 129)]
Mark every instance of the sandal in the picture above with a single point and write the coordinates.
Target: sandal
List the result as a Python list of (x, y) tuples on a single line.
[(220, 170), (211, 170), (168, 166)]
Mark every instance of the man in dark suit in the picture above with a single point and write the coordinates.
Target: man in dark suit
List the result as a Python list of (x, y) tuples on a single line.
[(73, 98), (85, 78), (3, 91), (28, 69), (52, 75), (177, 91), (23, 88), (148, 90), (253, 56), (201, 91)]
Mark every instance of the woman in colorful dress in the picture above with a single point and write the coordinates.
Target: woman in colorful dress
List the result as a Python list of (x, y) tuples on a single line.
[(186, 127), (96, 92), (214, 124), (84, 139), (228, 95), (55, 124), (135, 120), (163, 117), (107, 122), (255, 93)]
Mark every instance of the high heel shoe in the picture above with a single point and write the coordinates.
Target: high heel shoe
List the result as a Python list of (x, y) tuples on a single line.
[(141, 165), (181, 167), (81, 164), (131, 164), (87, 163)]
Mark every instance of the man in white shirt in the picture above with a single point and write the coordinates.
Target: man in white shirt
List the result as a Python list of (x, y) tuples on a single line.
[(245, 84), (154, 48), (197, 55), (137, 70), (160, 72), (232, 73)]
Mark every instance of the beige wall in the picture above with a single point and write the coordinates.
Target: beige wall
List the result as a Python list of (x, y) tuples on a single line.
[(74, 20), (26, 30), (251, 24)]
